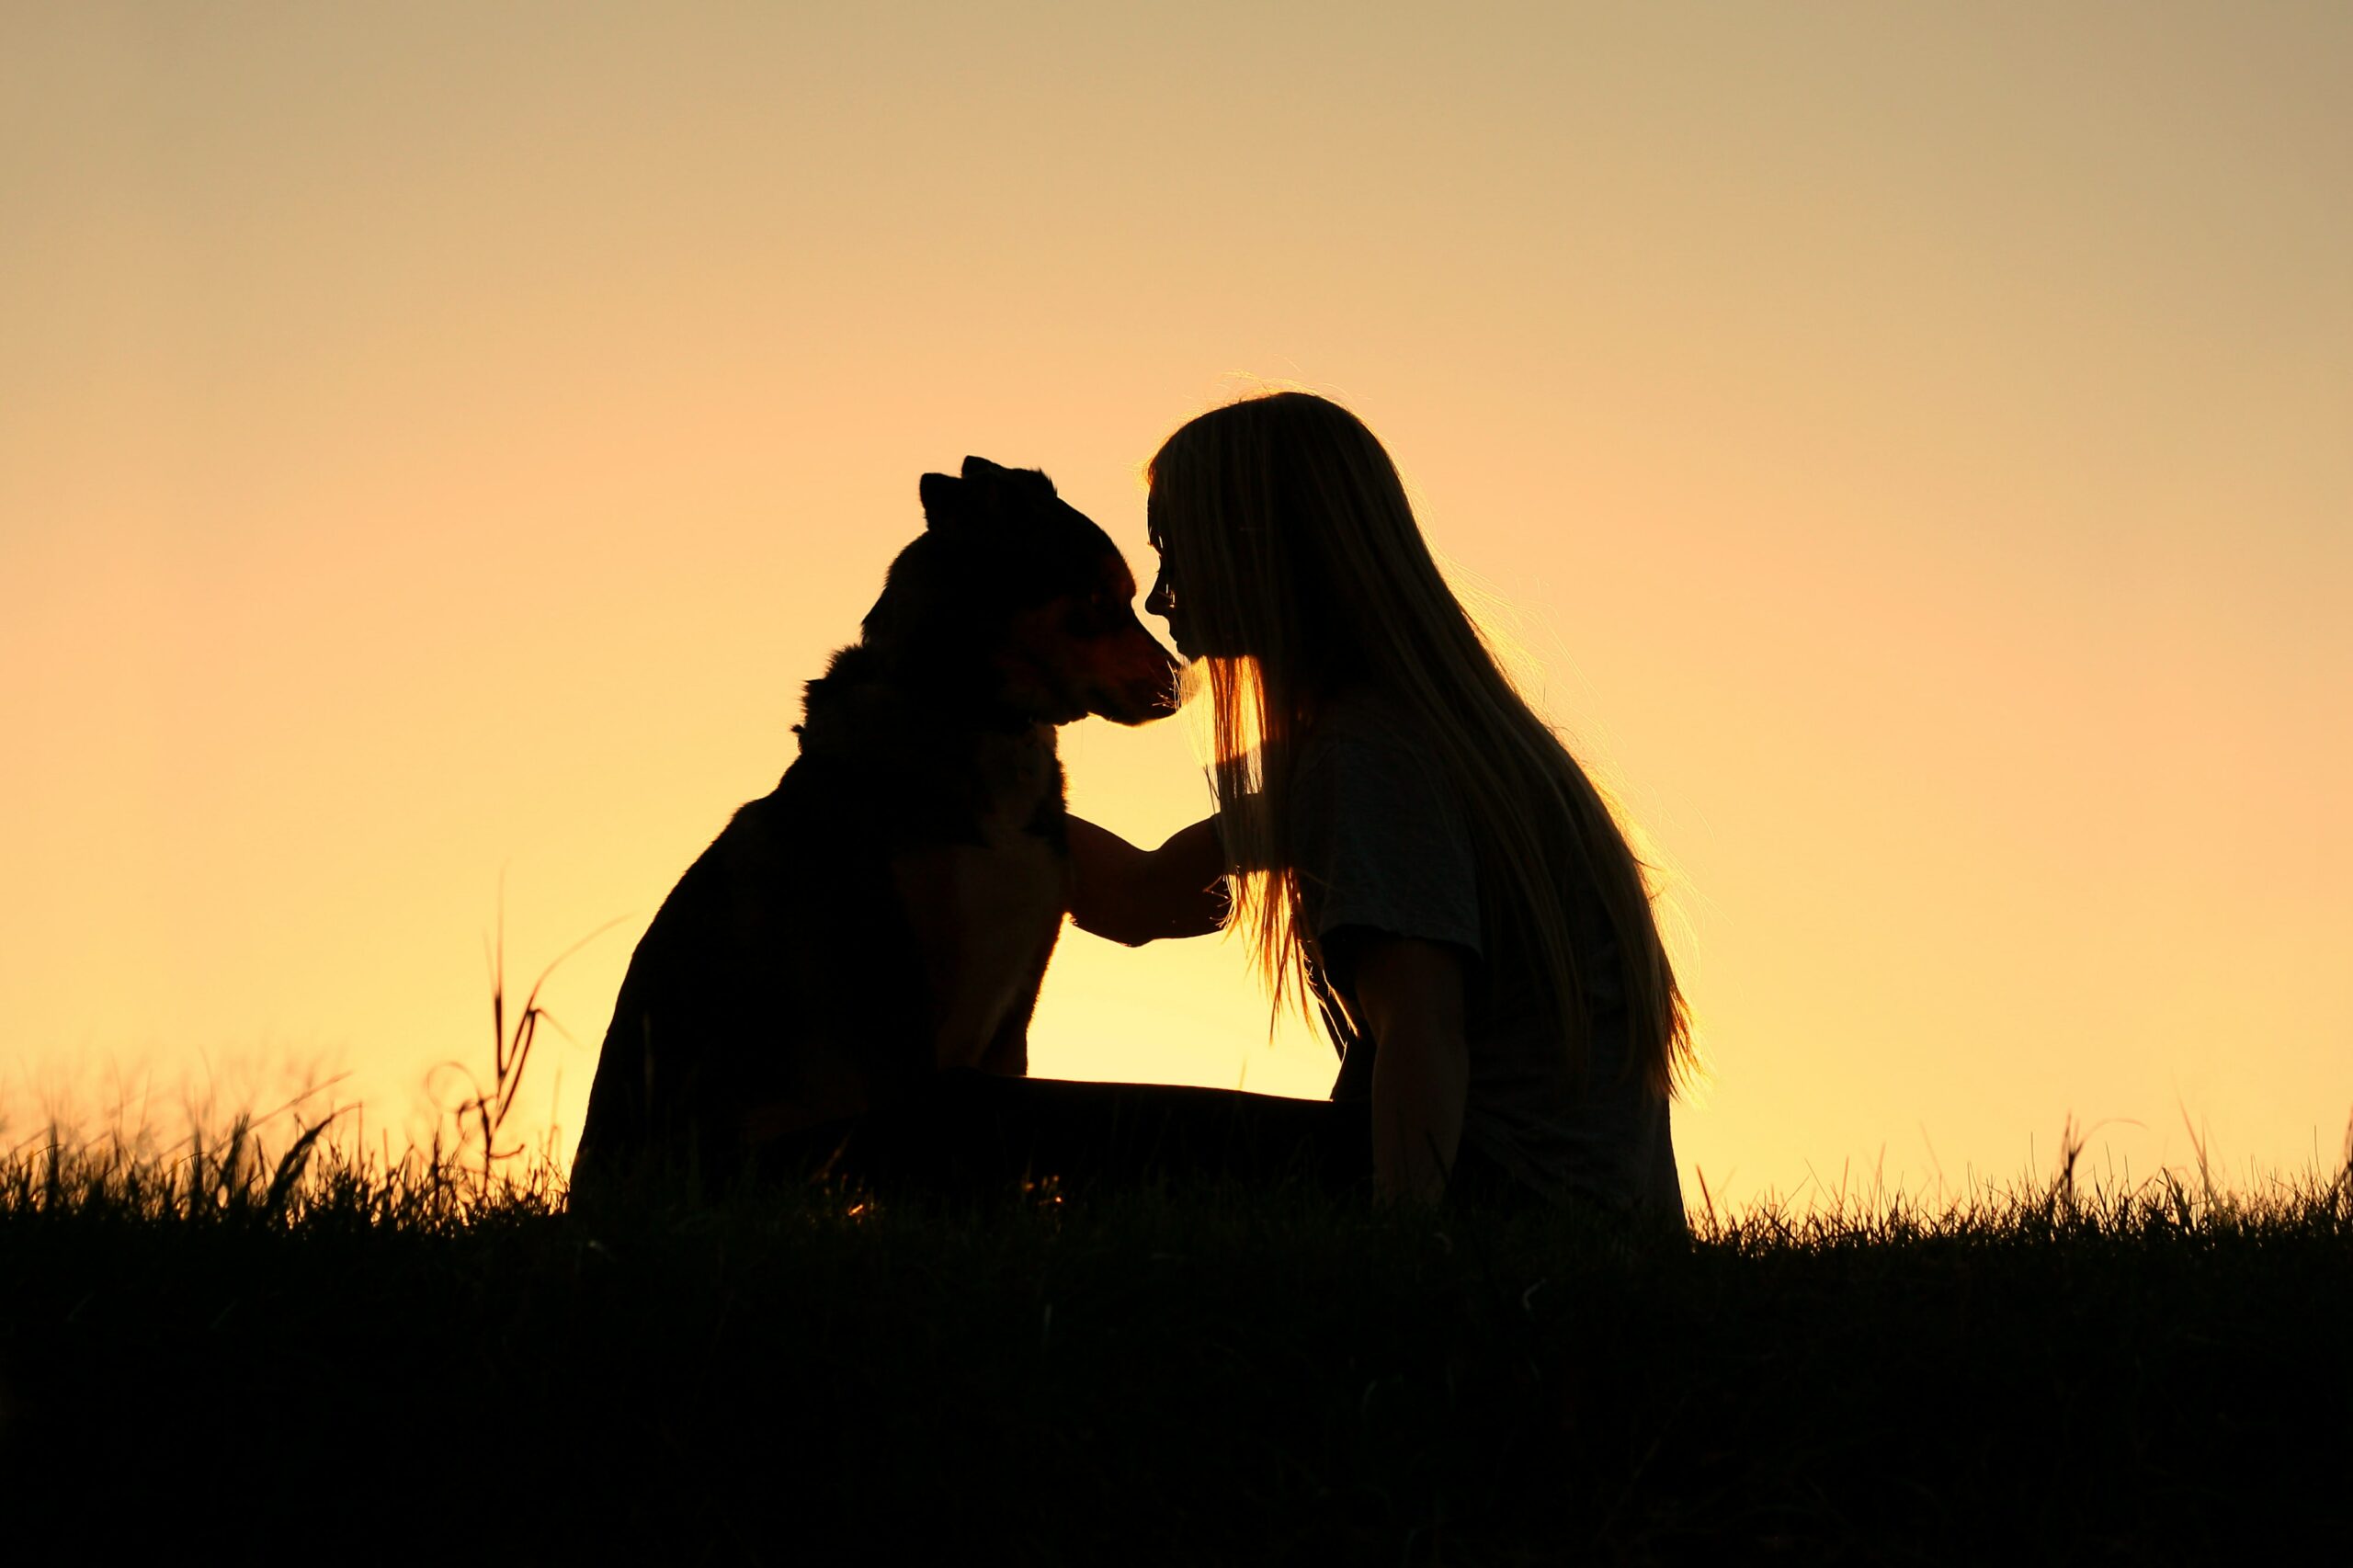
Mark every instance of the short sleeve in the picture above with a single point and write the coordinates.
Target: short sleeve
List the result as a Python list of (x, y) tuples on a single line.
[(1380, 841)]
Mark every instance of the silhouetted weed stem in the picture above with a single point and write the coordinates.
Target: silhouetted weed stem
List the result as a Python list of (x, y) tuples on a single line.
[(510, 1050)]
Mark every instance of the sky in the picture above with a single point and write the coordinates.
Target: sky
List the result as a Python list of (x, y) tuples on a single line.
[(1905, 445)]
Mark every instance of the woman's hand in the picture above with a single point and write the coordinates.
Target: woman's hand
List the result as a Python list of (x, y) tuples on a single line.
[(1410, 993), (1135, 895)]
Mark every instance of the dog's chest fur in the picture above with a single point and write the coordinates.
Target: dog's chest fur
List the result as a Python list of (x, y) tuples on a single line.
[(985, 911)]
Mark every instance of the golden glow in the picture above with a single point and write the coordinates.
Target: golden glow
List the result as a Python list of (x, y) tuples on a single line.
[(439, 441)]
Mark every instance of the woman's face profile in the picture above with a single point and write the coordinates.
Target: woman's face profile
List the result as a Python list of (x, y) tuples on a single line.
[(1162, 600)]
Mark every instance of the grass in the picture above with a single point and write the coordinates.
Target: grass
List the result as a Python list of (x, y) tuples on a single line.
[(291, 1350)]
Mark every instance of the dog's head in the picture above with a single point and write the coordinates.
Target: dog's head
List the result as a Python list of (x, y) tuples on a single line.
[(1011, 579)]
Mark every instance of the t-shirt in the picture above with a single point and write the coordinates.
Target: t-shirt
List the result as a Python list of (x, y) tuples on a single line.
[(1383, 844)]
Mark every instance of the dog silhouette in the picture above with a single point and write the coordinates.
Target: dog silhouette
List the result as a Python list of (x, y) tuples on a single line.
[(887, 913)]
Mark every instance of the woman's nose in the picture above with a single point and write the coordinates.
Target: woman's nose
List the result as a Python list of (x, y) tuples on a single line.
[(1162, 598)]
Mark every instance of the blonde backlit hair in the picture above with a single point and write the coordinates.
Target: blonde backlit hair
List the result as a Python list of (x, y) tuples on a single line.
[(1300, 570)]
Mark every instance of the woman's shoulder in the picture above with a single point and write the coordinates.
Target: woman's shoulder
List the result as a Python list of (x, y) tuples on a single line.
[(1364, 718), (1367, 784)]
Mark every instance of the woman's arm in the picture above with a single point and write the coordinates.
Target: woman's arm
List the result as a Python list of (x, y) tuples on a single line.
[(1135, 895), (1410, 993)]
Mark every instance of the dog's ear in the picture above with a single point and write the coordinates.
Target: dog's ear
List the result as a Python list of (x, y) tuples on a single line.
[(987, 493), (944, 506), (996, 479)]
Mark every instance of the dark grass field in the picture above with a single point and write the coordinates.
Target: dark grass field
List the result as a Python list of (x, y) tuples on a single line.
[(222, 1355)]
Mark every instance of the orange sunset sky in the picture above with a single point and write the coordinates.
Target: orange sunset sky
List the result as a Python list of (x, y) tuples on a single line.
[(1912, 446)]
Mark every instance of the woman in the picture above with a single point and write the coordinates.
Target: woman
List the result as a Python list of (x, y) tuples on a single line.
[(1405, 842)]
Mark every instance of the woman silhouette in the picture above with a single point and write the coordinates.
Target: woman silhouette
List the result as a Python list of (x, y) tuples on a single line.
[(1398, 836), (1403, 843)]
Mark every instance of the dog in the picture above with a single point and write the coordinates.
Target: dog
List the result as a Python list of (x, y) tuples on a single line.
[(887, 913)]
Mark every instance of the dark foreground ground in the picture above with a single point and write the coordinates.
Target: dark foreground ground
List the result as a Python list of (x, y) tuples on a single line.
[(355, 1370)]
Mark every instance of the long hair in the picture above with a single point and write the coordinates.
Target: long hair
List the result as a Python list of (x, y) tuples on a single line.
[(1300, 569)]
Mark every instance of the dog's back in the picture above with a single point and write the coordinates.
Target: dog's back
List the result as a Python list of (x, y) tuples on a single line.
[(779, 948), (888, 911)]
